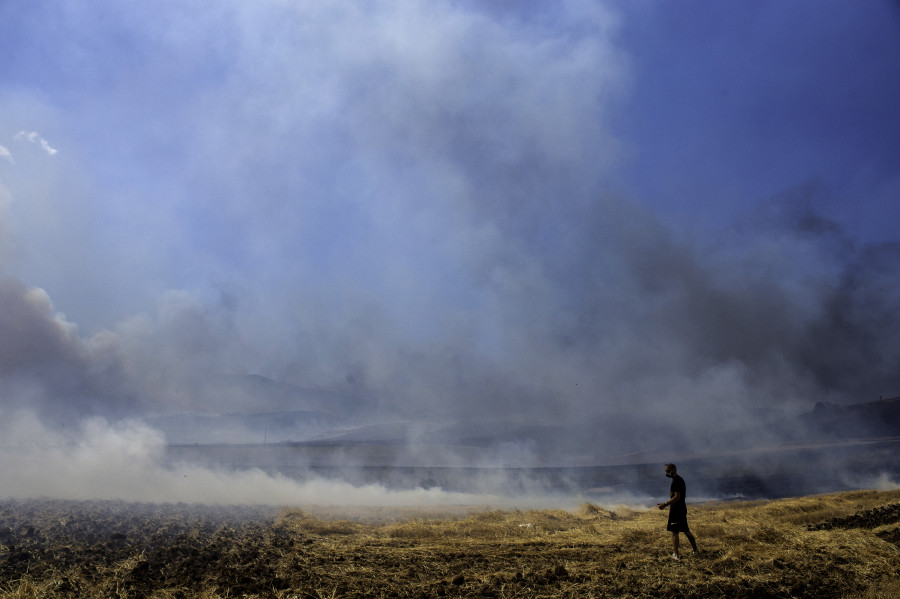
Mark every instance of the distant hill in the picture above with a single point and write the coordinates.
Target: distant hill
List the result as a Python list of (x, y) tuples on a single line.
[(256, 409), (829, 448), (270, 395), (261, 427), (863, 420), (320, 419)]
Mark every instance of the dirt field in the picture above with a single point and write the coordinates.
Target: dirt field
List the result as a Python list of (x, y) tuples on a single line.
[(843, 545)]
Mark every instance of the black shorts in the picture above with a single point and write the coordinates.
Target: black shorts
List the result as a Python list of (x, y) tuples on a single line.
[(678, 521)]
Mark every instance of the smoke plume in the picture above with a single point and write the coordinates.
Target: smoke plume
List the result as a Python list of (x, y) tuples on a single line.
[(397, 212)]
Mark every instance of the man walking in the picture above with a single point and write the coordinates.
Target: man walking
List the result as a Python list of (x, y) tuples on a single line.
[(677, 511)]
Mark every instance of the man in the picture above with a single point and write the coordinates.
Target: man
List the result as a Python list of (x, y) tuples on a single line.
[(677, 511)]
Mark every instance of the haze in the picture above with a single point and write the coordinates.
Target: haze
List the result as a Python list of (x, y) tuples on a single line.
[(672, 217)]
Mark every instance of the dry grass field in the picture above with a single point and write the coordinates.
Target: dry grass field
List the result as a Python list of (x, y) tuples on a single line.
[(841, 545)]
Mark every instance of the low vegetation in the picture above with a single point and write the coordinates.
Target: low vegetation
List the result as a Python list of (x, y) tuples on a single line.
[(841, 545)]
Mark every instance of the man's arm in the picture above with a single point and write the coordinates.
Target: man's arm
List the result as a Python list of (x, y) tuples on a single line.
[(675, 497)]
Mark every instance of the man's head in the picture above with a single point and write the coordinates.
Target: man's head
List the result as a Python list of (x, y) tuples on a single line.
[(670, 470)]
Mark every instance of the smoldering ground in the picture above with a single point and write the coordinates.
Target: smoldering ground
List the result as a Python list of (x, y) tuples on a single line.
[(415, 216)]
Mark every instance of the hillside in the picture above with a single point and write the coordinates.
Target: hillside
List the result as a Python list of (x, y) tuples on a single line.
[(831, 448), (290, 414), (869, 419)]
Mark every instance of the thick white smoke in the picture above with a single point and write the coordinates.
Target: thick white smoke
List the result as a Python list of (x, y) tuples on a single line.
[(409, 212), (99, 460)]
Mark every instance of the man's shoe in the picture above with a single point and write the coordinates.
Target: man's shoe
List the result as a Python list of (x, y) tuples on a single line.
[(675, 556)]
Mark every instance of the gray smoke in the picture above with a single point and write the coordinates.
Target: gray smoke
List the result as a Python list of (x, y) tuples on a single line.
[(775, 314), (415, 210)]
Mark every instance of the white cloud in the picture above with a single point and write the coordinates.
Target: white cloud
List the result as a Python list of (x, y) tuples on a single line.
[(26, 136), (5, 153), (47, 147), (34, 137)]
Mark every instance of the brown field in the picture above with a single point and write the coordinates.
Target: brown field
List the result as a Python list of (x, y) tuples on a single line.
[(840, 545)]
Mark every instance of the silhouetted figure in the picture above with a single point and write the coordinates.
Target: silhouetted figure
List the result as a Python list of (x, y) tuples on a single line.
[(677, 511)]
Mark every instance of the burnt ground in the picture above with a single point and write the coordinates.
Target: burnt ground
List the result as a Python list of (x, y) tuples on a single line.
[(81, 544), (872, 518)]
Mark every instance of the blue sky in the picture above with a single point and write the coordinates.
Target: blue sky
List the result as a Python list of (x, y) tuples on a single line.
[(738, 101), (459, 207)]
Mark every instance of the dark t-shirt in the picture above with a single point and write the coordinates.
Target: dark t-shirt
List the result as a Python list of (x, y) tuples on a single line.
[(678, 486)]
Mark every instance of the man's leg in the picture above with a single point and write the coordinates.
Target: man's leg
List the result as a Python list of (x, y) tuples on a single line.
[(691, 539), (675, 542)]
